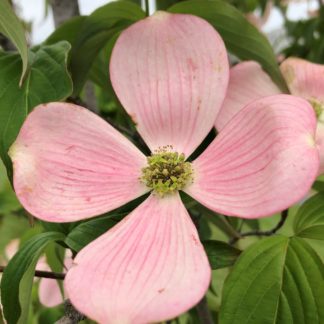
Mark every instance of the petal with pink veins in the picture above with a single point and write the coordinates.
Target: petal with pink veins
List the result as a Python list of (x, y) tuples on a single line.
[(69, 164), (170, 72), (304, 79), (148, 268), (247, 82), (263, 161)]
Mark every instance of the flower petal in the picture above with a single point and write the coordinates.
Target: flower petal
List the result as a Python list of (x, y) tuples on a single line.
[(69, 164), (148, 268), (304, 79), (247, 82), (170, 72), (263, 161), (320, 144), (49, 293)]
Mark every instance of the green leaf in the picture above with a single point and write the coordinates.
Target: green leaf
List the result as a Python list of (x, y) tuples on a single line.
[(11, 27), (86, 232), (220, 254), (48, 80), (8, 200), (89, 35), (240, 36), (309, 220), (17, 279), (278, 280)]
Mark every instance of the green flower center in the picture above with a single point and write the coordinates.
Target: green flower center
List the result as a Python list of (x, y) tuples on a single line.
[(166, 172), (318, 106)]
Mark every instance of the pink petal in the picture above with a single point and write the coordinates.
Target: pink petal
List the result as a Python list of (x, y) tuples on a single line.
[(69, 164), (49, 293), (263, 161), (148, 268), (304, 79), (170, 72), (247, 82), (320, 144)]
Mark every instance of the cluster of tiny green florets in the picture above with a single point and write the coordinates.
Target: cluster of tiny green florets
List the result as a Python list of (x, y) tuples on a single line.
[(167, 172), (318, 106)]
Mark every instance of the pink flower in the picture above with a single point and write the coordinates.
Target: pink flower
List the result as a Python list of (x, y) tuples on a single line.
[(249, 82), (170, 72)]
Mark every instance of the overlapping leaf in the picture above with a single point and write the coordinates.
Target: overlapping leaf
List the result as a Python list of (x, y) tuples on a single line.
[(11, 27), (309, 220), (277, 280), (17, 279)]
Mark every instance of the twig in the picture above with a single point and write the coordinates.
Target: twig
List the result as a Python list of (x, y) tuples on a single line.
[(284, 215), (43, 274), (203, 312)]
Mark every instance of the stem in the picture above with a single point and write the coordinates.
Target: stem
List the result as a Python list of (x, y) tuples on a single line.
[(63, 10), (202, 307), (147, 8), (72, 316), (203, 312), (284, 215), (43, 274)]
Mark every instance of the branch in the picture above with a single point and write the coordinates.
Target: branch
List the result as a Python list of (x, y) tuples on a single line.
[(203, 312), (64, 10), (284, 215), (43, 274), (72, 316), (202, 307)]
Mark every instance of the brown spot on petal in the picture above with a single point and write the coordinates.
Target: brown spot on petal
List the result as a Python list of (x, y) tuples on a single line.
[(194, 239), (161, 290), (288, 73), (133, 118)]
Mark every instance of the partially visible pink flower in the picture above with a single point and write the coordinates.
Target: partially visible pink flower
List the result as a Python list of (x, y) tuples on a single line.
[(170, 72), (249, 82), (49, 291)]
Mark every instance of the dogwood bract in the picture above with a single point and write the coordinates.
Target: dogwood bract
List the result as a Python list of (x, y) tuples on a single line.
[(170, 72), (249, 82)]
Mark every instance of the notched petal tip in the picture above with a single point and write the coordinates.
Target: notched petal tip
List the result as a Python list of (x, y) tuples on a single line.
[(248, 82), (69, 164), (304, 79), (262, 162), (170, 71)]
